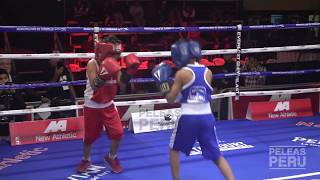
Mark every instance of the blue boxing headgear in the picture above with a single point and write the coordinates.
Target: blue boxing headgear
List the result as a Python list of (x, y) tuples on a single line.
[(183, 51)]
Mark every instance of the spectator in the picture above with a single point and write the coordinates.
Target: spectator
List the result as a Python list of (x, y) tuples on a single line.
[(59, 96), (114, 7), (9, 100), (87, 45), (216, 43), (136, 12), (133, 45), (118, 19), (188, 13), (6, 64), (253, 65), (27, 94), (227, 43), (107, 20), (229, 67), (163, 12), (80, 11), (174, 18)]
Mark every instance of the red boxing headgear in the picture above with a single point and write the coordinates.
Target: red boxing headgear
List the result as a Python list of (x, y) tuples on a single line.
[(106, 49)]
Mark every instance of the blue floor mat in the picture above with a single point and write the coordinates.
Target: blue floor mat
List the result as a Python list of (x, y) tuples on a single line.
[(245, 144)]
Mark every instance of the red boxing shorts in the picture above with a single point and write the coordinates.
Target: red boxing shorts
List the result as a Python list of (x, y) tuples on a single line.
[(96, 118)]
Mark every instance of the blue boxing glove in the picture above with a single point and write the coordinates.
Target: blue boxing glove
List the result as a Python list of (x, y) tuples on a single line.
[(161, 75)]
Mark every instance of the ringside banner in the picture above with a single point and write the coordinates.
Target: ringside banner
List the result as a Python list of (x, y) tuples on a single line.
[(31, 132), (148, 121), (279, 109), (239, 108)]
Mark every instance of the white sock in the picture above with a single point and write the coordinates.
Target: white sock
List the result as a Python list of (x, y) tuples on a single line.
[(89, 159), (112, 157)]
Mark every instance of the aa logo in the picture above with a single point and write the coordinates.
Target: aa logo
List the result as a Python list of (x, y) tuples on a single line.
[(165, 86), (56, 126), (281, 106)]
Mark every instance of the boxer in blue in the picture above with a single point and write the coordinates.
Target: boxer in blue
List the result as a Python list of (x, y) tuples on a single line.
[(192, 88)]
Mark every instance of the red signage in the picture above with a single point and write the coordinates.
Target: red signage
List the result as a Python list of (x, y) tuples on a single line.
[(30, 132), (239, 108), (279, 109)]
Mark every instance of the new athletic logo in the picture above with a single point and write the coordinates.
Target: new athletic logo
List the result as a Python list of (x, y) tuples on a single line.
[(163, 85), (103, 71), (56, 126), (281, 106), (157, 74)]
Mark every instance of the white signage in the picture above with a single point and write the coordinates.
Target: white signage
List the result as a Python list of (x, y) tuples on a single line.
[(148, 121)]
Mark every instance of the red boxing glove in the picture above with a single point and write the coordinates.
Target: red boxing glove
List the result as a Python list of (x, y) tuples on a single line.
[(218, 62), (205, 62), (108, 67), (132, 62)]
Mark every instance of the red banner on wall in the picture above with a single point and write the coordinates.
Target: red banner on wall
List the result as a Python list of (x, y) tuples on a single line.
[(239, 108), (279, 109), (31, 132)]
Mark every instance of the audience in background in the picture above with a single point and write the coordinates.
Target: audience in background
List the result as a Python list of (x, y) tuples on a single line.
[(133, 45), (7, 65), (188, 12), (9, 100), (27, 94), (80, 12), (253, 65), (136, 12), (56, 71), (162, 12)]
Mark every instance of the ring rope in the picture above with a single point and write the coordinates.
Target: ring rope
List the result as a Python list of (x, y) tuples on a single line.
[(160, 53), (149, 80), (159, 101), (152, 29)]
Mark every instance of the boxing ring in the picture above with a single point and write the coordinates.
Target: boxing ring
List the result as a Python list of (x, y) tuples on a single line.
[(247, 145)]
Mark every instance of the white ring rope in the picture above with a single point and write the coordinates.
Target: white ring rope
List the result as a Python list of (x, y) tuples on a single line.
[(159, 101), (159, 53)]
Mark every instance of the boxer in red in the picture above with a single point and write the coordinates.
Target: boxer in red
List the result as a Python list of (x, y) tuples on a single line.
[(103, 76)]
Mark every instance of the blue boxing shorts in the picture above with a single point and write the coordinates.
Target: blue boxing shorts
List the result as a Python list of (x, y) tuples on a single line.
[(191, 128)]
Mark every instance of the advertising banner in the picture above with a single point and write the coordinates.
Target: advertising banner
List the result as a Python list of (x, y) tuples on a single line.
[(279, 109), (148, 121), (31, 132)]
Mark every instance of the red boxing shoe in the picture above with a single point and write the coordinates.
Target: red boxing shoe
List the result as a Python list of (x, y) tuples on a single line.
[(83, 166), (114, 164)]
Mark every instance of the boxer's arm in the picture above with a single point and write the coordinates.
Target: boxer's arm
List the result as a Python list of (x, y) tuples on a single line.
[(176, 87), (209, 76), (92, 75)]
